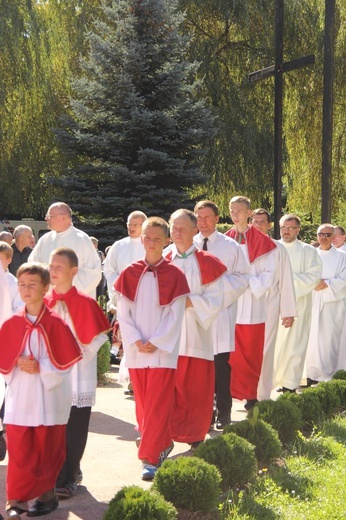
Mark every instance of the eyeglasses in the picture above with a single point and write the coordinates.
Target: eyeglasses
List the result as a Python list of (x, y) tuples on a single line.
[(53, 215), (327, 235), (290, 228)]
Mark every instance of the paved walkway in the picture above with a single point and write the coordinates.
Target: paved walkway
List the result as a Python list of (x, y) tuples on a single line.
[(110, 460)]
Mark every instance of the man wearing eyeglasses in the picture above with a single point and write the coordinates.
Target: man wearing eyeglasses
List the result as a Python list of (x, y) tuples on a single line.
[(291, 343), (328, 310)]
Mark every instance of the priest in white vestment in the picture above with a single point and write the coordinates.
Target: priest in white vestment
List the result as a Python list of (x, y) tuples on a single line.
[(328, 310), (64, 234), (291, 343)]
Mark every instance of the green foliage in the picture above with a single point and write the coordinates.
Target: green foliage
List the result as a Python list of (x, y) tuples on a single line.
[(233, 456), (262, 435), (309, 405), (284, 416), (339, 387), (134, 503), (189, 483), (103, 360), (330, 402), (340, 374)]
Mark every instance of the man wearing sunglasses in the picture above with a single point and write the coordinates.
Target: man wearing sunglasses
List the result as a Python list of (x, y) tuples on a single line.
[(291, 343), (328, 310)]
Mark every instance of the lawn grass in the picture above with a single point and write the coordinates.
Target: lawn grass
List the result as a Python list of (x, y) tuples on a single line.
[(309, 483)]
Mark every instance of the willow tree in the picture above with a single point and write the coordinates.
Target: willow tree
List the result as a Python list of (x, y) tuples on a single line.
[(138, 127), (232, 39)]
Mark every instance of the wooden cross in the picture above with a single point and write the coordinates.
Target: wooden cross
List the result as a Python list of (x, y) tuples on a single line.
[(277, 71)]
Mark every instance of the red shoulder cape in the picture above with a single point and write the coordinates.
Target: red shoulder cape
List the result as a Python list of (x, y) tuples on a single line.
[(258, 244), (87, 316), (62, 348), (171, 281), (210, 267)]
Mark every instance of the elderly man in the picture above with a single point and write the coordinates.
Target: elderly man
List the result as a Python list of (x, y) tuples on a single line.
[(125, 251), (291, 343), (190, 420), (281, 301), (64, 234), (235, 281), (328, 310), (21, 247)]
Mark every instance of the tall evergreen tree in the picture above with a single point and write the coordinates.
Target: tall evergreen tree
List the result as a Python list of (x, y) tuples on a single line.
[(137, 128)]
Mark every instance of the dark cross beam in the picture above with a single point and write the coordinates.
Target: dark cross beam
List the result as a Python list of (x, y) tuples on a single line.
[(277, 71)]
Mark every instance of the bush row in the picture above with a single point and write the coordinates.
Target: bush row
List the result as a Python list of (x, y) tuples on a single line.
[(230, 460)]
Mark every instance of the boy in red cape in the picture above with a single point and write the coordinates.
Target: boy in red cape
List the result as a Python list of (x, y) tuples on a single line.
[(89, 326), (37, 352), (151, 303)]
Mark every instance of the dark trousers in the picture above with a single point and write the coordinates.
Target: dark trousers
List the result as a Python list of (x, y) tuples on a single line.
[(223, 385), (76, 439)]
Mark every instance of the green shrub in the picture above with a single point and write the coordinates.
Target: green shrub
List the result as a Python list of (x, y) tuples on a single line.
[(135, 503), (330, 402), (339, 386), (284, 416), (262, 435), (340, 374), (103, 360), (233, 456), (189, 483), (309, 405)]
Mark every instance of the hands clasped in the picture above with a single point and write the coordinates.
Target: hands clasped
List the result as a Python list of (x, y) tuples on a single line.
[(28, 364)]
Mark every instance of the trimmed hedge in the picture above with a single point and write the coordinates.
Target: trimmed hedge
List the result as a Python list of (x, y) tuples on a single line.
[(135, 503), (233, 456), (189, 483), (283, 415)]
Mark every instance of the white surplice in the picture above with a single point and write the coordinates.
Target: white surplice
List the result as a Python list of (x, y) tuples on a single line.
[(235, 281), (291, 343), (89, 266), (328, 316)]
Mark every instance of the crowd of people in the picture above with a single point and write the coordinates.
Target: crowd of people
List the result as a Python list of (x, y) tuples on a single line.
[(203, 317)]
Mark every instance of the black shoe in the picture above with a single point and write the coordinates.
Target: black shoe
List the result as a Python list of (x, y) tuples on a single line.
[(250, 403), (222, 422), (310, 382), (286, 390), (43, 508), (195, 445), (128, 392)]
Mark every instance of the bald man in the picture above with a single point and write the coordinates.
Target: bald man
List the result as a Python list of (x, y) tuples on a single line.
[(64, 234)]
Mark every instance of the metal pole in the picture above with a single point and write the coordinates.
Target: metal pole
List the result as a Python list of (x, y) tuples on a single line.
[(279, 34), (327, 126)]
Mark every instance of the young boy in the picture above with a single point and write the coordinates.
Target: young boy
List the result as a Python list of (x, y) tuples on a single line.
[(36, 370), (89, 326), (151, 303)]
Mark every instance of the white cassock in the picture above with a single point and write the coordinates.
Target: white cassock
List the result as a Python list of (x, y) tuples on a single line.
[(328, 316), (121, 254), (281, 301), (342, 348), (5, 313), (89, 266), (291, 343), (235, 281), (16, 302)]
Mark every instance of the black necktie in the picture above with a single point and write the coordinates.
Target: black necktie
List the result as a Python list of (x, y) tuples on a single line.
[(205, 247)]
